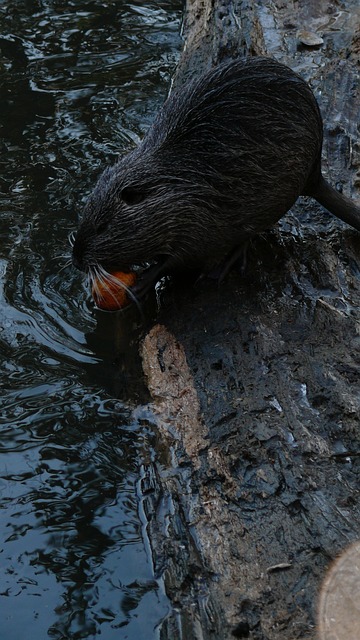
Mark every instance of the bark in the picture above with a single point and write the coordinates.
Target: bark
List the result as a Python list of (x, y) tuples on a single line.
[(255, 385)]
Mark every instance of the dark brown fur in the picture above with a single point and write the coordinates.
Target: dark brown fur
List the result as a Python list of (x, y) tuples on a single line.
[(225, 158)]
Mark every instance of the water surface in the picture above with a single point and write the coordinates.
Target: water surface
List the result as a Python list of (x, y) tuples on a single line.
[(80, 82)]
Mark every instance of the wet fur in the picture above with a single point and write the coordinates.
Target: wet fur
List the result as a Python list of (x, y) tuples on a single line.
[(225, 158)]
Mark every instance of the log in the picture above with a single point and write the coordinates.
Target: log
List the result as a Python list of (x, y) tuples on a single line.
[(254, 386)]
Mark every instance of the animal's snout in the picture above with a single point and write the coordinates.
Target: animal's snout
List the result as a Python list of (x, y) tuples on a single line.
[(77, 263), (78, 248)]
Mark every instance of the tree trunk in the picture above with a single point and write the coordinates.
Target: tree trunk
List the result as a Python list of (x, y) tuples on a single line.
[(254, 385)]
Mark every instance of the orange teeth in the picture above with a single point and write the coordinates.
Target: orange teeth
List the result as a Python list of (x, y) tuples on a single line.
[(110, 292)]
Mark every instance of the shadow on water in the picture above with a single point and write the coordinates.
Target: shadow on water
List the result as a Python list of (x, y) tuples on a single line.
[(79, 83)]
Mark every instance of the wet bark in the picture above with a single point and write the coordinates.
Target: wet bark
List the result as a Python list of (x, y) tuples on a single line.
[(255, 385)]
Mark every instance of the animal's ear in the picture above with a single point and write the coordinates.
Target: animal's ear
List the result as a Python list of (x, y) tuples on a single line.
[(132, 195)]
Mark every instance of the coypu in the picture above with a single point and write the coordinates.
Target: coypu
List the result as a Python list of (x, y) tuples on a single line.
[(225, 158)]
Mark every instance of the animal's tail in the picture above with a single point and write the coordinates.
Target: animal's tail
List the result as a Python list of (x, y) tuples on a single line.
[(337, 203)]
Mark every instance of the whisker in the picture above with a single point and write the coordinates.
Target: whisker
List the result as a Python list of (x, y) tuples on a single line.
[(100, 278), (71, 238), (61, 257)]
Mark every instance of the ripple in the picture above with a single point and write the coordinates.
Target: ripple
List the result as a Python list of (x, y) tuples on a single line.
[(80, 82)]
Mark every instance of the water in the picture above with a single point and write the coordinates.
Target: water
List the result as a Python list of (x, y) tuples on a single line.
[(80, 82)]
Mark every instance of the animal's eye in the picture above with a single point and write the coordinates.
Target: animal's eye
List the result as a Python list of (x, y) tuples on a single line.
[(132, 195)]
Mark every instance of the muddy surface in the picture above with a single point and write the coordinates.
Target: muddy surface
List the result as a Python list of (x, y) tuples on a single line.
[(255, 385)]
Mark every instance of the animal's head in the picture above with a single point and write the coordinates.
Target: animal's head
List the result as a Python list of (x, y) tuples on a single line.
[(124, 222), (142, 210)]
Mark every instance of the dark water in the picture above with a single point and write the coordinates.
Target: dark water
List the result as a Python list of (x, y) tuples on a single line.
[(80, 82)]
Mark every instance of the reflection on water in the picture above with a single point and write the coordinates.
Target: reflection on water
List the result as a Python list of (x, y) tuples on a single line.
[(80, 82)]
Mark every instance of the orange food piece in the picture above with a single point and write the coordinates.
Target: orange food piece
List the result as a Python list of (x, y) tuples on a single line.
[(109, 294)]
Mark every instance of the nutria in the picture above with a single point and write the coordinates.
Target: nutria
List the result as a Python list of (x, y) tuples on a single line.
[(225, 159)]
